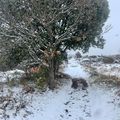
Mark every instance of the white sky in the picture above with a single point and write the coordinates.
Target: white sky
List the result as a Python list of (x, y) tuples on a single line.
[(112, 45)]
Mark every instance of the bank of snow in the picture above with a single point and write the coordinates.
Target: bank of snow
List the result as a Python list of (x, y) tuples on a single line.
[(95, 65), (112, 70), (9, 75)]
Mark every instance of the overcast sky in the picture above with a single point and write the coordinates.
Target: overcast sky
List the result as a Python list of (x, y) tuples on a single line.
[(112, 45)]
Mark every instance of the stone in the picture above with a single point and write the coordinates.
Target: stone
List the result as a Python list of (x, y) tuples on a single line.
[(78, 55), (79, 82), (107, 60)]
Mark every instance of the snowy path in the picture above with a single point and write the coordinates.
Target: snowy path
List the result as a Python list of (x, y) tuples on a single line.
[(75, 70), (97, 103)]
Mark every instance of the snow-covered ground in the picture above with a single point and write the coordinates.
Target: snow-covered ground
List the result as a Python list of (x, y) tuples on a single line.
[(9, 75), (110, 70), (74, 69), (98, 102)]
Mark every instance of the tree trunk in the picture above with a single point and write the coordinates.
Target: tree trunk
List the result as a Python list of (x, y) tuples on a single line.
[(51, 79)]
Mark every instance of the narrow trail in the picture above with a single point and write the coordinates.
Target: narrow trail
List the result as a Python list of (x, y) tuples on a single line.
[(97, 103)]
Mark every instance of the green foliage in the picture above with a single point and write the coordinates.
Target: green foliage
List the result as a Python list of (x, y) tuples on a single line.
[(2, 64), (41, 77), (77, 23), (41, 83), (16, 55), (43, 27), (12, 82)]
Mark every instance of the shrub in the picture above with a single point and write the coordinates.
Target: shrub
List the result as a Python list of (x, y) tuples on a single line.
[(41, 77), (108, 60)]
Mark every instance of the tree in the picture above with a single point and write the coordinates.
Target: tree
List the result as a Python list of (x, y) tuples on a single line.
[(47, 28)]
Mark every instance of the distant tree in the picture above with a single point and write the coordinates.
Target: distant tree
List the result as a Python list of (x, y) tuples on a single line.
[(44, 29)]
